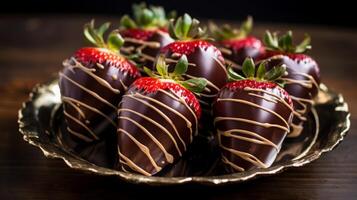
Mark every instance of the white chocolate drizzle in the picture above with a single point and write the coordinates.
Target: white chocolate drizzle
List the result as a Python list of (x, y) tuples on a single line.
[(162, 114), (168, 156), (132, 165), (143, 148), (81, 124), (87, 90), (70, 101), (156, 124)]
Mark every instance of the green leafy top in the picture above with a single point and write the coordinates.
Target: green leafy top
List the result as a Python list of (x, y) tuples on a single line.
[(226, 32), (186, 28), (146, 17), (95, 36), (250, 72), (285, 43), (162, 71)]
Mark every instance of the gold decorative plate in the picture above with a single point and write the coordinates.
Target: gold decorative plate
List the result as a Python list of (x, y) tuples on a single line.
[(41, 124)]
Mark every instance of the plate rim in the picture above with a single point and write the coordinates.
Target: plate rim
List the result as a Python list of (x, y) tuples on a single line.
[(26, 128)]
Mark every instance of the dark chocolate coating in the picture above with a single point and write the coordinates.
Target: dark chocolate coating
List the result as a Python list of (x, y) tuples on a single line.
[(159, 36), (307, 66), (131, 150), (99, 125), (238, 55), (263, 152), (209, 65)]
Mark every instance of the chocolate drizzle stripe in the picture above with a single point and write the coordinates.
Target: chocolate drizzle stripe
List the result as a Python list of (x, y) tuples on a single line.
[(132, 165), (303, 83), (234, 64), (169, 60), (146, 43), (256, 106), (275, 100), (260, 140), (225, 51), (246, 156), (88, 91), (181, 100), (124, 86), (143, 148), (311, 78), (266, 125), (236, 167), (80, 112), (72, 101), (147, 57), (296, 129), (220, 64), (156, 124), (81, 124), (79, 135), (168, 156), (90, 73), (189, 124), (162, 114)]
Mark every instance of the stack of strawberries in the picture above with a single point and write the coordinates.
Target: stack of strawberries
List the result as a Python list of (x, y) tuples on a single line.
[(158, 81)]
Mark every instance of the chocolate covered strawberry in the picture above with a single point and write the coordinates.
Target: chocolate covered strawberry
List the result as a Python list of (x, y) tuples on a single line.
[(158, 118), (145, 34), (237, 44), (252, 117), (204, 59), (92, 84), (303, 77)]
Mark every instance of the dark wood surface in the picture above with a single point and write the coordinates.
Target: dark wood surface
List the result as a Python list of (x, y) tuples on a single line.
[(31, 51)]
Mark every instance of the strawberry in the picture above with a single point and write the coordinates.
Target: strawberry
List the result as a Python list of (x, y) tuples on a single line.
[(237, 44), (92, 84), (303, 77), (204, 58), (146, 33), (252, 117), (158, 118)]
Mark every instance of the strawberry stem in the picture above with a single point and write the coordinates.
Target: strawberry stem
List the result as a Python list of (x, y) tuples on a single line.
[(146, 17), (285, 43), (95, 36), (162, 72), (250, 71), (187, 28), (227, 32)]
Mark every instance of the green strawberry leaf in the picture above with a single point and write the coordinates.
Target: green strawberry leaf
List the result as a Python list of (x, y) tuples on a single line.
[(161, 66), (127, 22), (261, 71), (102, 29), (304, 45), (181, 66), (234, 76), (186, 24), (248, 67), (195, 85), (115, 41), (275, 73)]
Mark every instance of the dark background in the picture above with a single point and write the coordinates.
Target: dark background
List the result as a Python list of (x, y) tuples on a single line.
[(330, 13)]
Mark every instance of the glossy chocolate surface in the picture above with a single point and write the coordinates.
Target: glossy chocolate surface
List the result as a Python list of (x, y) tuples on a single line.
[(147, 49), (301, 82), (89, 104), (263, 152), (205, 63), (142, 121)]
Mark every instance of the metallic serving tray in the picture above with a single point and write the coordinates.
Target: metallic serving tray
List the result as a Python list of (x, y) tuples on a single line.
[(41, 124)]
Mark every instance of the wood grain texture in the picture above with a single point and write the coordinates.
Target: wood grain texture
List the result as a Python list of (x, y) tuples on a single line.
[(32, 50)]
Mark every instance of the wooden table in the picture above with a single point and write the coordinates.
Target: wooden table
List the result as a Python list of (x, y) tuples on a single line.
[(31, 51)]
